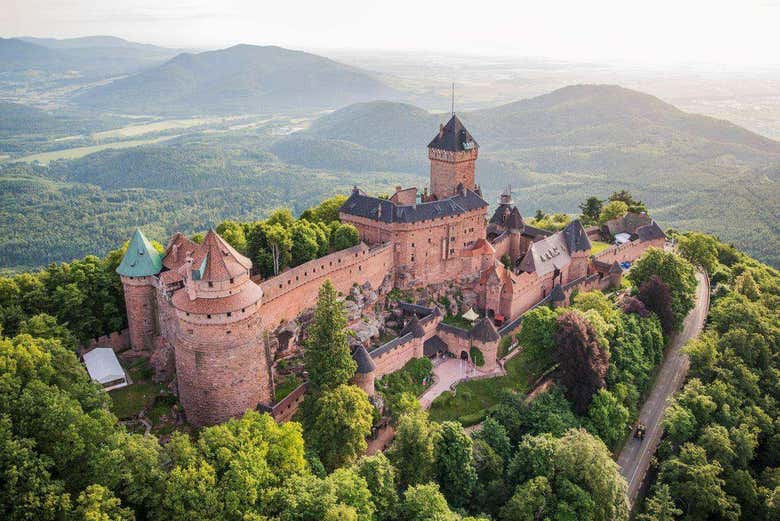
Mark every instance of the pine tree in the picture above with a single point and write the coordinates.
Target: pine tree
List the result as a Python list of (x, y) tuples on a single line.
[(327, 358)]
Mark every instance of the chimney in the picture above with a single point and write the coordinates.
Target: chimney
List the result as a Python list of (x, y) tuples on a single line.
[(441, 130), (175, 252), (398, 188)]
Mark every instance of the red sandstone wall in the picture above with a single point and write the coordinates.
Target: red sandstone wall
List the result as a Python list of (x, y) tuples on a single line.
[(221, 367), (455, 343), (628, 252), (287, 294), (118, 341), (288, 406), (141, 303), (448, 169), (397, 358)]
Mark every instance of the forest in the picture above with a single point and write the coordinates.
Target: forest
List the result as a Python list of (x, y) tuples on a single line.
[(547, 459)]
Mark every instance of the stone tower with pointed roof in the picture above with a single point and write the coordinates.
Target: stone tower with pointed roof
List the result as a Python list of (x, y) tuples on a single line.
[(138, 272), (453, 155), (221, 365)]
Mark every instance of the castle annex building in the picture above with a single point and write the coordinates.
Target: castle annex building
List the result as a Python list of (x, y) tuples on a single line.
[(199, 301)]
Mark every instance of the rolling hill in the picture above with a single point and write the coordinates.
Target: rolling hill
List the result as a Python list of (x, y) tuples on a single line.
[(243, 78), (696, 172), (93, 57)]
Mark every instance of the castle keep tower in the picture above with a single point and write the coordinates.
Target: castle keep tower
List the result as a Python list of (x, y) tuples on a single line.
[(221, 363), (453, 154), (138, 271)]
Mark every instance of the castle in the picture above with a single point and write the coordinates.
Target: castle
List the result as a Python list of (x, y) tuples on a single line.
[(201, 302)]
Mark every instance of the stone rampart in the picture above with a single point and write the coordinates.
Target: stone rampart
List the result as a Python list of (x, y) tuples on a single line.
[(285, 295), (118, 341)]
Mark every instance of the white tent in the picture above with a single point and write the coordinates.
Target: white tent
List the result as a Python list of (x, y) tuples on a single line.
[(104, 368), (622, 238)]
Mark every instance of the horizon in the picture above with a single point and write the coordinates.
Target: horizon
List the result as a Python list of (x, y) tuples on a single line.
[(697, 33)]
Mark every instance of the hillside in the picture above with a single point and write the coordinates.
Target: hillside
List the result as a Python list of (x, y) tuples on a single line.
[(30, 60), (243, 78), (581, 140)]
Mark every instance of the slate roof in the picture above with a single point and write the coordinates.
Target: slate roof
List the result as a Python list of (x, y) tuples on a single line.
[(414, 327), (216, 260), (453, 137), (434, 345), (361, 205), (176, 251), (534, 232), (546, 255), (365, 364), (650, 232), (615, 268), (576, 238), (485, 331), (140, 259), (557, 294)]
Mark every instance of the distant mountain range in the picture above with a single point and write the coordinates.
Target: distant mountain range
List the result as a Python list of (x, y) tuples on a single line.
[(92, 57), (243, 78), (695, 171)]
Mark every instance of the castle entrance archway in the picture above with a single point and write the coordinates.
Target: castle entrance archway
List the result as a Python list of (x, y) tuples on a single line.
[(464, 355)]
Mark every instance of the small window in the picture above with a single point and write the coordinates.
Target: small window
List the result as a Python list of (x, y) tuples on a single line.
[(227, 332), (230, 313), (211, 284), (243, 310), (231, 281), (208, 316)]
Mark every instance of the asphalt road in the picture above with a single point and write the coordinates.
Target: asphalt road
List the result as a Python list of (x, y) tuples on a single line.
[(634, 459)]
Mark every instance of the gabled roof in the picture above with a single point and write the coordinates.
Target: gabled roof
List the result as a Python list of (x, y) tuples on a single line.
[(365, 364), (216, 260), (576, 238), (515, 220), (176, 251), (650, 232), (485, 331), (414, 327), (453, 137), (140, 259), (361, 205), (434, 345), (615, 268), (546, 255)]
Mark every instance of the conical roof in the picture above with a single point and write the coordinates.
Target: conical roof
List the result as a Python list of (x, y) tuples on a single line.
[(140, 259), (515, 220), (365, 364), (414, 327), (216, 260), (576, 238), (485, 331), (453, 137), (557, 294)]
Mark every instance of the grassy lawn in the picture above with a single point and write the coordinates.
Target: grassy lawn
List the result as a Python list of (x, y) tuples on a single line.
[(457, 321), (472, 399), (598, 246), (286, 385), (129, 401)]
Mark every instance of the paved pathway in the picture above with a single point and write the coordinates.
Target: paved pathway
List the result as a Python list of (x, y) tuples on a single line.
[(634, 459), (450, 372)]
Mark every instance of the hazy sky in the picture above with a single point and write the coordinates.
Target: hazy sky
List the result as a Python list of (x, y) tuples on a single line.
[(659, 31)]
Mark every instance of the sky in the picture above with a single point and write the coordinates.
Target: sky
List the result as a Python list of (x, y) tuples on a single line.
[(738, 32)]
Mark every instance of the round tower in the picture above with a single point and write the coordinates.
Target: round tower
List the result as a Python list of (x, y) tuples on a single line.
[(138, 271), (366, 370), (221, 364)]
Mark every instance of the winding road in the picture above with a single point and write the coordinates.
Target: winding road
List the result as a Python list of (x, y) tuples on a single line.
[(634, 459)]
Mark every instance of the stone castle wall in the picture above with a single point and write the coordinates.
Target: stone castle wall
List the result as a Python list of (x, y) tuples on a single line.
[(285, 295), (118, 341), (142, 315), (221, 367), (629, 251), (448, 169)]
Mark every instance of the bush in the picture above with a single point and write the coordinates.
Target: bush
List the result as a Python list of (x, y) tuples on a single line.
[(476, 356)]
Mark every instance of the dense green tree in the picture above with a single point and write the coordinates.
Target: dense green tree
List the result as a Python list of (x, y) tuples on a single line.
[(657, 297), (344, 236), (97, 503), (626, 197), (305, 246), (495, 435), (675, 272), (338, 428), (613, 210), (425, 503), (454, 463), (327, 358), (607, 418), (382, 481), (412, 451), (532, 501), (660, 506), (537, 336), (591, 210), (699, 248), (233, 232)]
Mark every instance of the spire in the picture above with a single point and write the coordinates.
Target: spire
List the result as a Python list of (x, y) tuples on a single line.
[(216, 260), (140, 259), (452, 111)]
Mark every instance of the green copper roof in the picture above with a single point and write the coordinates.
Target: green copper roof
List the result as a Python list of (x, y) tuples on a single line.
[(141, 259)]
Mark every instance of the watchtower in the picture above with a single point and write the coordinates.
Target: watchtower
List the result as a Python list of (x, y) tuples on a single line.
[(453, 154)]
